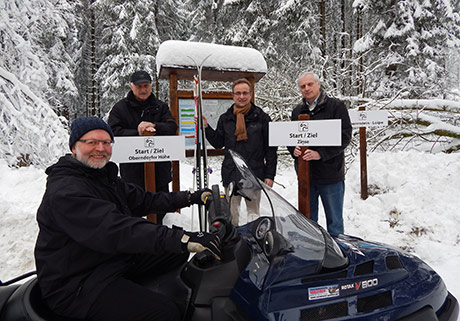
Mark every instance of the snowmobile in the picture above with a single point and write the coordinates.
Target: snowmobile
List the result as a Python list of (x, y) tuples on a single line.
[(280, 266)]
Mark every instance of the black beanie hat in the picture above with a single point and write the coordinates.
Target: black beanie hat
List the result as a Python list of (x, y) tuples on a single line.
[(81, 126)]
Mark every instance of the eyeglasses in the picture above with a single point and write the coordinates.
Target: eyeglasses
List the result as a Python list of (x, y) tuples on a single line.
[(242, 93), (96, 142)]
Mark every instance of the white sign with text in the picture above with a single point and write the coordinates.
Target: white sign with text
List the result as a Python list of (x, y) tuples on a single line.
[(370, 118), (326, 132), (142, 149)]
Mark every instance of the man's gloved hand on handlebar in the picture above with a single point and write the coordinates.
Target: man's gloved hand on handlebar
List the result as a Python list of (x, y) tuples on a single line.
[(201, 241), (200, 196)]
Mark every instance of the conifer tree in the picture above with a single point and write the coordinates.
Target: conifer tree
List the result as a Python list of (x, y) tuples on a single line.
[(409, 40), (130, 40)]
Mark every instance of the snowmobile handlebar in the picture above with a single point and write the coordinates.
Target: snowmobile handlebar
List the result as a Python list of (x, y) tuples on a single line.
[(219, 216)]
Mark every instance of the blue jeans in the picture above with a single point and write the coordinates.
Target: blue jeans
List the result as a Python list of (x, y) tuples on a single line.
[(332, 198)]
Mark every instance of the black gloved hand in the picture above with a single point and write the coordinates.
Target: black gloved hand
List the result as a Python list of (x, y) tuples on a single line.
[(199, 197), (201, 241)]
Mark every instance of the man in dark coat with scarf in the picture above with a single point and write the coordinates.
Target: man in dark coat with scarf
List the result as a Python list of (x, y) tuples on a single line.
[(138, 112), (244, 129), (93, 243), (327, 163)]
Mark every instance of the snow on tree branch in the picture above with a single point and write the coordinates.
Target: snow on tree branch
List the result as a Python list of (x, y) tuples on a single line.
[(31, 132)]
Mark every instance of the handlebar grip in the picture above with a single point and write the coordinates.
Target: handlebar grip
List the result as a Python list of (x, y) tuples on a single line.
[(204, 258)]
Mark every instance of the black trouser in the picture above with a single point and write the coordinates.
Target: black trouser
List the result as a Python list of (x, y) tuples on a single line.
[(125, 300)]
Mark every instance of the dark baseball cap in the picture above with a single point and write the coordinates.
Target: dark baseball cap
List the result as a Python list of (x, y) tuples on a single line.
[(139, 77)]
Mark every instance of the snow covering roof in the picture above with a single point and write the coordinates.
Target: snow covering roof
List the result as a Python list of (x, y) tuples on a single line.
[(220, 62)]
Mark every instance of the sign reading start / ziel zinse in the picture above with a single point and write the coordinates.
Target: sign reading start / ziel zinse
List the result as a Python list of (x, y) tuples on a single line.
[(142, 149), (326, 132)]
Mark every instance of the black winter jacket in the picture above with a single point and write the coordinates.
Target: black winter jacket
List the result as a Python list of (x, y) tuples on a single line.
[(90, 228), (259, 156), (330, 168), (124, 118)]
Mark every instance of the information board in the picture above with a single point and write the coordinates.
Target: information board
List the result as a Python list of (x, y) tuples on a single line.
[(212, 109)]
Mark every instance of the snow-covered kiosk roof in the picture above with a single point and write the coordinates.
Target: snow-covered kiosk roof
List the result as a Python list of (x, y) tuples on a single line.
[(225, 63)]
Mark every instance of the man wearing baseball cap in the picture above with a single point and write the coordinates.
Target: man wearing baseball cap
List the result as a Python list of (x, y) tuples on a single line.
[(93, 241), (139, 112)]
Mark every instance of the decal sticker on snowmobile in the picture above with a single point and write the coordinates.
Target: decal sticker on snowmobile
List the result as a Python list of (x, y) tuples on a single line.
[(323, 292), (361, 285)]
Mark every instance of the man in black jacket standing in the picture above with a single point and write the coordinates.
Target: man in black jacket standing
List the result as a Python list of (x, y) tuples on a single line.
[(244, 129), (138, 112), (93, 242), (327, 163)]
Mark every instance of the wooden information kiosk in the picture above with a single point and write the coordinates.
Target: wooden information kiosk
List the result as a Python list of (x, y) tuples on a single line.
[(175, 61)]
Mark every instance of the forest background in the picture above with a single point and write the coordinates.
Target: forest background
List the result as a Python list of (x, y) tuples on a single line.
[(74, 58)]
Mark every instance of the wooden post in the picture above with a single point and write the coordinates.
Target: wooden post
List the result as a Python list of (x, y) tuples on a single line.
[(303, 176), (149, 177), (363, 159), (252, 82), (174, 107)]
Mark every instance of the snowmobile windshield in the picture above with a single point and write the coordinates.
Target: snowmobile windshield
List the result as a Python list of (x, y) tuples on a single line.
[(305, 244)]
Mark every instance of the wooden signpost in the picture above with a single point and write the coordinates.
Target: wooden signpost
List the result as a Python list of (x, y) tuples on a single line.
[(363, 159), (305, 133), (362, 119), (303, 177), (149, 178)]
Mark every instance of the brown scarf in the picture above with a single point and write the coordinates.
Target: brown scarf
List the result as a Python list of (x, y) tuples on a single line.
[(240, 130)]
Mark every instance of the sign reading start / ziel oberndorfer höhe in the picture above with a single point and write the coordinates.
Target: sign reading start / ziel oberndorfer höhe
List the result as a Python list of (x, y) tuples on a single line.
[(143, 149), (326, 132)]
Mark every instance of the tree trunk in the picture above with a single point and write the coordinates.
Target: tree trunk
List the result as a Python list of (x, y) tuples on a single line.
[(322, 12), (93, 92), (359, 35), (342, 54)]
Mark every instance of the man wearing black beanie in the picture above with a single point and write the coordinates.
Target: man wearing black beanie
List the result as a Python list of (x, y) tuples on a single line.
[(93, 240)]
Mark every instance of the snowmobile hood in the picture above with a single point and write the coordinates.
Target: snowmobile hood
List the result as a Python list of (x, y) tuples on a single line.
[(298, 271)]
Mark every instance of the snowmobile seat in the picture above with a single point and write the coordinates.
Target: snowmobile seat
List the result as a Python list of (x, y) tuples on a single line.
[(26, 304), (5, 294)]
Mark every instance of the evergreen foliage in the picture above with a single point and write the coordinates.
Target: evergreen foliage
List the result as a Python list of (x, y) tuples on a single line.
[(75, 57)]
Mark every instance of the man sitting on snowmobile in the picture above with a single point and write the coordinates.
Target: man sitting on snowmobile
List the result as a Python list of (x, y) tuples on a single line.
[(93, 242)]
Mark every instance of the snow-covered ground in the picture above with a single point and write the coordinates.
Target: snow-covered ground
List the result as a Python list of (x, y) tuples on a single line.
[(415, 205)]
